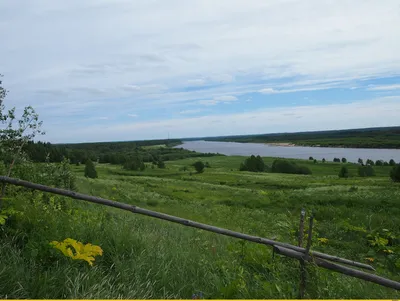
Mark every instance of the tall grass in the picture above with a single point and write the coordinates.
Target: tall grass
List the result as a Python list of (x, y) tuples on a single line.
[(151, 259)]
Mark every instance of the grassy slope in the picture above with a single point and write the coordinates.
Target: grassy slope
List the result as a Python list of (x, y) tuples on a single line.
[(146, 258)]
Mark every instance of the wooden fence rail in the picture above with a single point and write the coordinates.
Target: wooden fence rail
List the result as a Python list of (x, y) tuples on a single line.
[(282, 248)]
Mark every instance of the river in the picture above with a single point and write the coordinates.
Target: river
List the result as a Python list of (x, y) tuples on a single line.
[(295, 152)]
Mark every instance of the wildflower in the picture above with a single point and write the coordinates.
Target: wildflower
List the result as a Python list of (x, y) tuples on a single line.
[(388, 251), (323, 240), (82, 252), (370, 259)]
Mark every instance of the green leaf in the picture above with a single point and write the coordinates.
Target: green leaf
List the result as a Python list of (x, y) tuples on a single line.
[(3, 219)]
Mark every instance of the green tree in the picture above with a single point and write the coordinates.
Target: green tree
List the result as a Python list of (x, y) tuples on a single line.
[(336, 160), (160, 164), (254, 164), (366, 171), (310, 158), (199, 166), (90, 170), (379, 163), (370, 162), (360, 161), (15, 134), (392, 162), (285, 166), (395, 173), (344, 172), (344, 160), (323, 160)]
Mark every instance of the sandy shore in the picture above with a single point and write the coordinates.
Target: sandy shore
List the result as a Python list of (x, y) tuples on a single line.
[(281, 144)]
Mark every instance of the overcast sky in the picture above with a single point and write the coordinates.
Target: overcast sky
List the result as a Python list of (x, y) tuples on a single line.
[(104, 70)]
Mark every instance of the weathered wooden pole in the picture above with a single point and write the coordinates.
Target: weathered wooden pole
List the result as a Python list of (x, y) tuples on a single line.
[(302, 263)]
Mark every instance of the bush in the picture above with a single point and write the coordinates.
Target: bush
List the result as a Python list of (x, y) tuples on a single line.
[(392, 162), (395, 173), (370, 162), (134, 164), (323, 160), (344, 172), (337, 160), (161, 164), (207, 165), (199, 166), (379, 163), (366, 171), (254, 164), (90, 170), (285, 166), (310, 158), (360, 161), (344, 160)]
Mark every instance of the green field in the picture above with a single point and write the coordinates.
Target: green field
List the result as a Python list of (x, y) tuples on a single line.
[(146, 258)]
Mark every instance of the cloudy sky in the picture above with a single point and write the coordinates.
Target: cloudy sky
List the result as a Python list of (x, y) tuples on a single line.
[(104, 70)]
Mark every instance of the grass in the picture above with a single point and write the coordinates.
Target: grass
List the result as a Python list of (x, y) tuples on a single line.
[(147, 259)]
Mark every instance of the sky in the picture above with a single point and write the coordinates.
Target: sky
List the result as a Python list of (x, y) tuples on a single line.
[(113, 70)]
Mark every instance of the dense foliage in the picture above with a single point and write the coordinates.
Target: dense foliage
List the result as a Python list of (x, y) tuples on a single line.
[(286, 166), (90, 170), (395, 173), (199, 166), (366, 171), (387, 137), (254, 164), (344, 172)]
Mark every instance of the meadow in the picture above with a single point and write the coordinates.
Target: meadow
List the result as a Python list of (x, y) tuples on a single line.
[(143, 258)]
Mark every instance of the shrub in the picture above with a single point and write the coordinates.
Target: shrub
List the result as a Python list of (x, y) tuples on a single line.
[(199, 166), (360, 161), (315, 161), (337, 160), (134, 164), (161, 164), (344, 172), (392, 162), (370, 162), (285, 166), (379, 163), (344, 160), (323, 160), (395, 173), (366, 171), (90, 170), (207, 165), (310, 158), (254, 164)]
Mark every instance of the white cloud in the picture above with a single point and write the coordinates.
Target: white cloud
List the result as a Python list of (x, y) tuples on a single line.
[(188, 112), (196, 82), (138, 55), (103, 118), (384, 87), (225, 98), (133, 115), (267, 91)]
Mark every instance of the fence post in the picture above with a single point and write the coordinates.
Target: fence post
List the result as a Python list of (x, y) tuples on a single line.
[(306, 253)]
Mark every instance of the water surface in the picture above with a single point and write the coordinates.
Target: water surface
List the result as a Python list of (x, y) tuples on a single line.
[(295, 152)]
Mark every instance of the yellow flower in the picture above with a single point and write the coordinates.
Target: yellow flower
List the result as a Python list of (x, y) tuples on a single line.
[(370, 259), (78, 251), (323, 240), (388, 251)]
